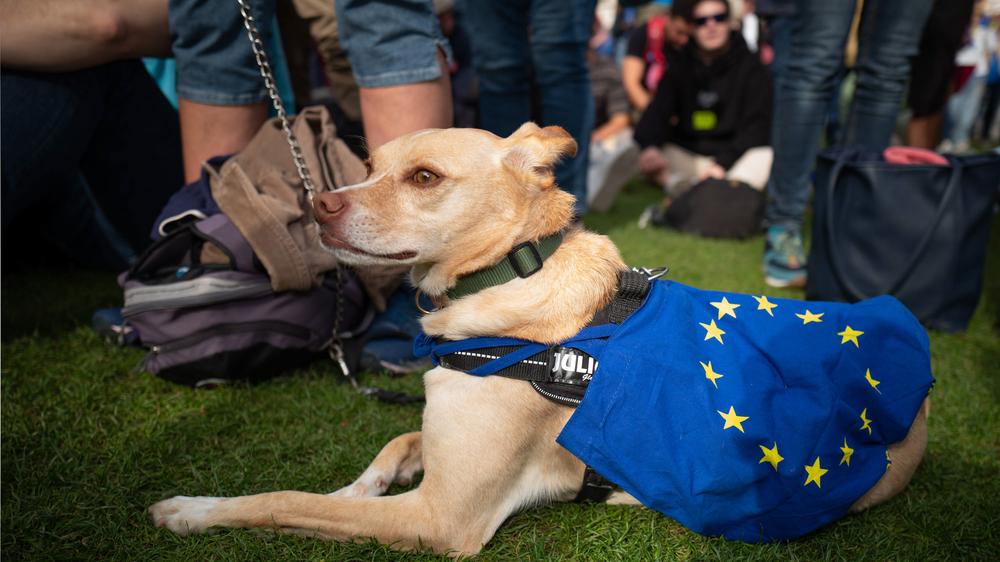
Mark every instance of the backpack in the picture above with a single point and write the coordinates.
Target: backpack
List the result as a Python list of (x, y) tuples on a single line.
[(203, 304), (237, 286), (714, 208)]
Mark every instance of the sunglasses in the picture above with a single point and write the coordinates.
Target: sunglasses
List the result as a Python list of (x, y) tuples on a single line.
[(717, 18)]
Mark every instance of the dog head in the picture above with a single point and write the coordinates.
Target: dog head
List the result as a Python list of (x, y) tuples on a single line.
[(449, 201)]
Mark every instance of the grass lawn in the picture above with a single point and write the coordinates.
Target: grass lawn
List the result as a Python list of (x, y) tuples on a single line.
[(88, 442)]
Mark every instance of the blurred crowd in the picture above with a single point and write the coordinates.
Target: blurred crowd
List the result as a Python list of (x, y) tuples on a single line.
[(108, 106)]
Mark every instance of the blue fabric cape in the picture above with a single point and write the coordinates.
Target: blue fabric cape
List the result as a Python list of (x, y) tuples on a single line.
[(760, 421)]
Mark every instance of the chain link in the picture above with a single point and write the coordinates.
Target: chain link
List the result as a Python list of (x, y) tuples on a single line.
[(250, 23), (336, 349)]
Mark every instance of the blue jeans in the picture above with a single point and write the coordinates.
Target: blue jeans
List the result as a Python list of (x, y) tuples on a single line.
[(510, 38), (89, 159), (962, 110), (215, 64), (811, 68), (391, 42)]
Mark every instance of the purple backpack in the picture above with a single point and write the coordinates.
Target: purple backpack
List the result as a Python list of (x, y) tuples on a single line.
[(217, 320)]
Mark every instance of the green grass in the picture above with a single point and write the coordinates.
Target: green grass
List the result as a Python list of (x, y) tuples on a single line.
[(88, 442)]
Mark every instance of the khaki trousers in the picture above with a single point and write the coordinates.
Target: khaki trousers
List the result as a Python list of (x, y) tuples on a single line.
[(685, 167)]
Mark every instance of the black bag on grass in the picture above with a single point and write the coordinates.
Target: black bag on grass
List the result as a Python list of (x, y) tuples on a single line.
[(918, 232), (717, 209)]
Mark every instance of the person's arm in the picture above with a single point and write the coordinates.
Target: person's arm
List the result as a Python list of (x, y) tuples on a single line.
[(616, 124), (64, 35), (633, 70), (654, 126), (754, 127), (615, 105)]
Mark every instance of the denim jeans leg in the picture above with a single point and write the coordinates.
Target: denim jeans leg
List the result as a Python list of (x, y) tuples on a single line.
[(499, 32), (133, 161), (109, 123), (962, 109), (888, 39), (215, 64), (804, 86), (559, 35), (391, 42)]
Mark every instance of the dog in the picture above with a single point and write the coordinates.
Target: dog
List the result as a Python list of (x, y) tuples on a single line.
[(448, 203)]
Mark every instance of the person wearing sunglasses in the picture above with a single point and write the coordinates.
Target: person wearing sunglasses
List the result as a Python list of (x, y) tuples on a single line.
[(711, 115)]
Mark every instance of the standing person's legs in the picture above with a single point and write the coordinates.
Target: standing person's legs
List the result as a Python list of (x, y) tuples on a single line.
[(962, 109), (399, 58), (807, 80), (887, 39), (499, 33), (560, 32), (220, 90), (802, 96)]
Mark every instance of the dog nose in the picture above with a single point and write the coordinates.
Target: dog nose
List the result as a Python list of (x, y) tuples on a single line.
[(328, 205)]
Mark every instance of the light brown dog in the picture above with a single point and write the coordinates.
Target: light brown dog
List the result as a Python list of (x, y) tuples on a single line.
[(448, 203)]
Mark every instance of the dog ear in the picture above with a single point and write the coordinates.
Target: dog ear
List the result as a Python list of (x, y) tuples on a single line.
[(534, 152)]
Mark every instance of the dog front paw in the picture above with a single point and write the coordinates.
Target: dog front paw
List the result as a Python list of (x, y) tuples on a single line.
[(184, 515)]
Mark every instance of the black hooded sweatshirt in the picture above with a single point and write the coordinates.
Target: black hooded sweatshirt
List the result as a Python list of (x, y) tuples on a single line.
[(717, 110)]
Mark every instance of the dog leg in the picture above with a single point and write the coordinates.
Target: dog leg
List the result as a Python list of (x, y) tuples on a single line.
[(398, 461), (406, 521), (906, 456)]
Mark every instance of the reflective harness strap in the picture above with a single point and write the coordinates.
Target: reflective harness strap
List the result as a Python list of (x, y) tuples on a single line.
[(540, 363), (532, 361)]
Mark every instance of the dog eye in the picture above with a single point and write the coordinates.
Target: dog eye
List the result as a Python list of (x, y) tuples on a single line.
[(424, 177)]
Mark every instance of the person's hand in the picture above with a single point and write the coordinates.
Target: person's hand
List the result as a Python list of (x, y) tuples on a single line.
[(714, 171), (652, 162)]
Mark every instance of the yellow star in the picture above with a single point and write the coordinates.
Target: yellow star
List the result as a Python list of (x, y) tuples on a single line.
[(810, 317), (710, 374), (871, 381), (888, 460), (725, 307), (849, 335), (765, 305), (733, 420), (712, 331), (815, 473), (865, 422), (847, 453), (771, 455)]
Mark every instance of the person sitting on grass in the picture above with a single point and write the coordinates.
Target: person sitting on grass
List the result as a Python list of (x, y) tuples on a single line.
[(711, 115)]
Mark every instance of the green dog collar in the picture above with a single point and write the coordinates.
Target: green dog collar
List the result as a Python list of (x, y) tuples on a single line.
[(524, 260)]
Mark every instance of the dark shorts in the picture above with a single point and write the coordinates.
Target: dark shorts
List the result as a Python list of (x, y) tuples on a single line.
[(934, 65)]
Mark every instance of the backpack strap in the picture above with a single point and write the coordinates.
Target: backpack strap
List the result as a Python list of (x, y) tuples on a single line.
[(221, 231)]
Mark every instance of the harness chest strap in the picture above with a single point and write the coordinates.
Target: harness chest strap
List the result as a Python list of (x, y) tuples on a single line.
[(559, 372)]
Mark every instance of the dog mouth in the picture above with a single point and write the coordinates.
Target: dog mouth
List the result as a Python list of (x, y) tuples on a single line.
[(339, 244)]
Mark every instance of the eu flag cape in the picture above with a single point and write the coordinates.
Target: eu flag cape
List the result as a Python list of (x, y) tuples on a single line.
[(753, 418)]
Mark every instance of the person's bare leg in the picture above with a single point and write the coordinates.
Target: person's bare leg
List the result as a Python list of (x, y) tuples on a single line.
[(63, 35), (925, 132), (211, 130), (396, 110)]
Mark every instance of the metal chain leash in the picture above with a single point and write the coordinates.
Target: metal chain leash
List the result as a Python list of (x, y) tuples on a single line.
[(250, 23), (336, 348)]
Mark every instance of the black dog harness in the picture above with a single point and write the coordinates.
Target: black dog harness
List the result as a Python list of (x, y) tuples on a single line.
[(562, 374)]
